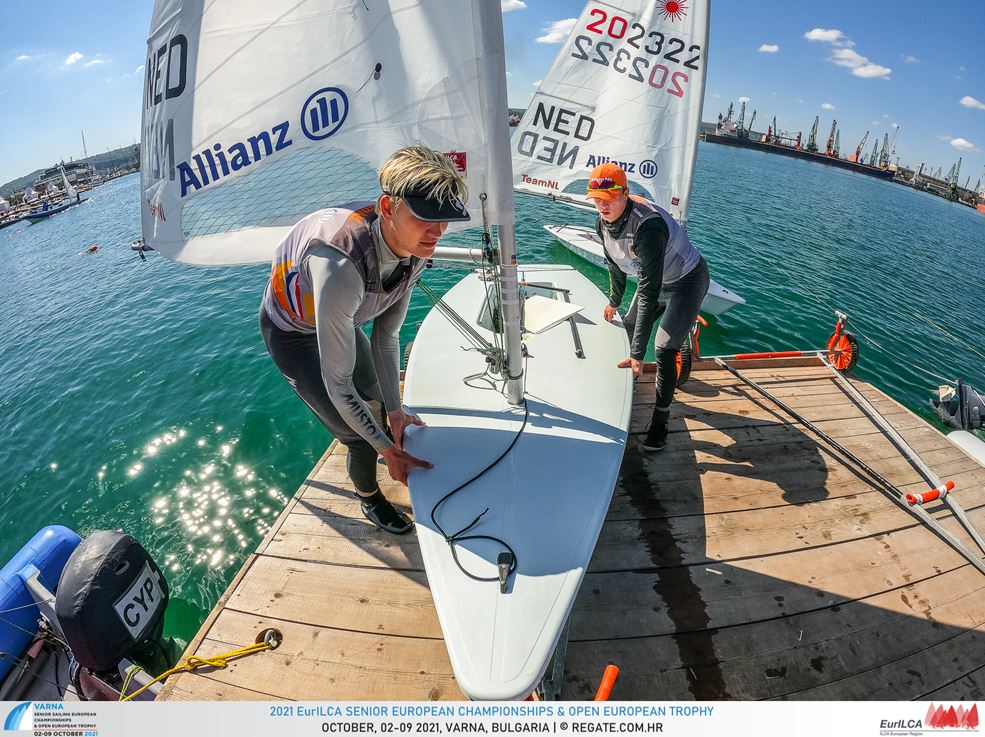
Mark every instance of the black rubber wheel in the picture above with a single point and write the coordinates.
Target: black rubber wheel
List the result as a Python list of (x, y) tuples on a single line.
[(684, 360)]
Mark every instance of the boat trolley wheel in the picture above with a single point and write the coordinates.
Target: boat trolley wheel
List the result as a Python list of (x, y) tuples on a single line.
[(843, 351)]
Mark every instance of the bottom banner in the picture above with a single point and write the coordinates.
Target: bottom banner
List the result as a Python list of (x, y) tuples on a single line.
[(736, 719)]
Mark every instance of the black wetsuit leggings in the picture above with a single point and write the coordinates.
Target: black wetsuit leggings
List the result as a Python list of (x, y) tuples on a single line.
[(678, 307), (296, 355)]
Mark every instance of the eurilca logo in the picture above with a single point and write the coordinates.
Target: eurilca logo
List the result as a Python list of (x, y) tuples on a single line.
[(21, 717), (939, 718)]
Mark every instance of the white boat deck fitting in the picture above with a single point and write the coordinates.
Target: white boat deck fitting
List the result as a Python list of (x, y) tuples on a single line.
[(744, 562)]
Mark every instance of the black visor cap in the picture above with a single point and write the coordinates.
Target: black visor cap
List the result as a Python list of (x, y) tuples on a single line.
[(433, 210)]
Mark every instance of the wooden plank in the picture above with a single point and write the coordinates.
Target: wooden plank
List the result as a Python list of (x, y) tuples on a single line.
[(316, 663), (925, 675), (200, 687), (344, 540), (374, 600), (969, 687), (641, 603), (789, 654)]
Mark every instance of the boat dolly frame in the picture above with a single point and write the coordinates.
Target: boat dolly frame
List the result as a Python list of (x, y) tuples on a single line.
[(840, 357)]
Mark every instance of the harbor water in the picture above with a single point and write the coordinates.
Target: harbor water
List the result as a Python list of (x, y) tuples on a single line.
[(138, 395)]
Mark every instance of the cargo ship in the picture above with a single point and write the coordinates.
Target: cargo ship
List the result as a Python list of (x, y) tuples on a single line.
[(734, 133), (729, 138)]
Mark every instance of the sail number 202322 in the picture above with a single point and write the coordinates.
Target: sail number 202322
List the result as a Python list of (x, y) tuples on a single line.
[(647, 70)]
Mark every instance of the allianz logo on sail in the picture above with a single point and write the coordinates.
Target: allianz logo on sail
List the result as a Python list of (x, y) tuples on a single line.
[(627, 166), (212, 164)]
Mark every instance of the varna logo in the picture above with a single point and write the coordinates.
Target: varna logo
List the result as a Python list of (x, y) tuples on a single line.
[(21, 717)]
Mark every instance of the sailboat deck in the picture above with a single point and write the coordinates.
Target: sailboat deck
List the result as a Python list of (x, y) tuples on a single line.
[(746, 561)]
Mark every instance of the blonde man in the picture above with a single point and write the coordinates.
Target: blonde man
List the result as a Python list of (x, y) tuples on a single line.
[(338, 269)]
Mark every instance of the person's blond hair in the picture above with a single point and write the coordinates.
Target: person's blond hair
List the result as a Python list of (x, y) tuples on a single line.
[(421, 170)]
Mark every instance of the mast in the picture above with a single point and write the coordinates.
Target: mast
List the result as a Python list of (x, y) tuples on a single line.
[(489, 41)]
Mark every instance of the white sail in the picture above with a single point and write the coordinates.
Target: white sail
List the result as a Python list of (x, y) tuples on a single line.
[(627, 87), (256, 114), (70, 192)]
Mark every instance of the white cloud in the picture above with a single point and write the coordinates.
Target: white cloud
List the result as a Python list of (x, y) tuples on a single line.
[(969, 101), (537, 83), (895, 125), (827, 35), (872, 71), (910, 59), (827, 106), (557, 31), (943, 137), (73, 57), (94, 62), (508, 5), (139, 69), (3, 92), (860, 66), (844, 55), (799, 100), (769, 48), (744, 99), (24, 57), (876, 122), (962, 145)]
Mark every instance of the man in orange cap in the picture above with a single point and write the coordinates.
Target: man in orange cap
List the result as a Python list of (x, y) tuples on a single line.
[(643, 240)]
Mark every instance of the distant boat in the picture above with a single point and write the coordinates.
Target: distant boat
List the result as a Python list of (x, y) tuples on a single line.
[(72, 198)]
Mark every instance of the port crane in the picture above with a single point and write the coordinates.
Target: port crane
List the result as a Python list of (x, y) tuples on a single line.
[(812, 138), (829, 148), (892, 143), (751, 121), (874, 156), (858, 149), (884, 152)]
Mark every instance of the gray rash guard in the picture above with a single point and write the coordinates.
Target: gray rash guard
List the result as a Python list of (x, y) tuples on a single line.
[(338, 291)]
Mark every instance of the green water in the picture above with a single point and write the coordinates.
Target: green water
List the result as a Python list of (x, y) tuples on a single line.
[(139, 396)]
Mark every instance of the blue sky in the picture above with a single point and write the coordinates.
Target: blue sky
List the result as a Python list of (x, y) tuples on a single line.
[(68, 67)]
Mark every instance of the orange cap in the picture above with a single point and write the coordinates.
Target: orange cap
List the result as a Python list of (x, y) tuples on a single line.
[(607, 181)]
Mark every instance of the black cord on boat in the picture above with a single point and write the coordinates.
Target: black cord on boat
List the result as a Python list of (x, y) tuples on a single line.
[(459, 536)]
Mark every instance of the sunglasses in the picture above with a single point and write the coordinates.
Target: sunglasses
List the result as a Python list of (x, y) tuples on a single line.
[(603, 183)]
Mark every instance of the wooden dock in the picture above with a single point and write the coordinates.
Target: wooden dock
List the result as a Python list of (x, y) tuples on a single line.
[(746, 561)]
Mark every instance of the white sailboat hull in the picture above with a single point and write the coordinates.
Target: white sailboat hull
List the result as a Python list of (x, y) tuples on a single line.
[(583, 242), (547, 498)]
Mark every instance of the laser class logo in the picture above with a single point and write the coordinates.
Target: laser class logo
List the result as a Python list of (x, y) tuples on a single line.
[(672, 9), (21, 717)]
